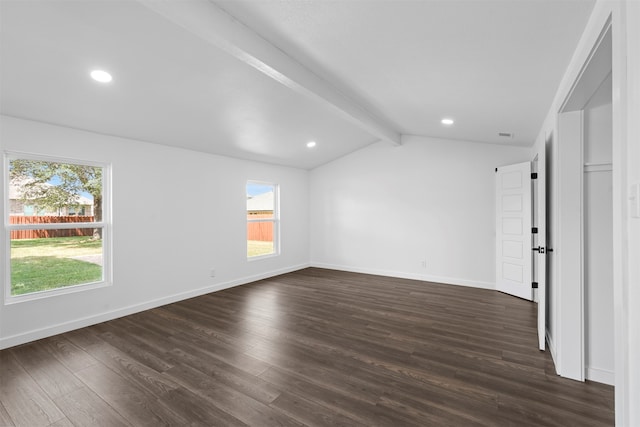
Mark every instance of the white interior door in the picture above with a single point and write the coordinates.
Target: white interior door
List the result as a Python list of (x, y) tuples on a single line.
[(513, 230), (540, 242)]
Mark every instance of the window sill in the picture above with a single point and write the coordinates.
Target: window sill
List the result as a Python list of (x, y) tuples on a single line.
[(17, 299), (259, 257)]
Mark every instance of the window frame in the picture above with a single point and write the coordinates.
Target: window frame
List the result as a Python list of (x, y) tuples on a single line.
[(275, 220), (104, 224)]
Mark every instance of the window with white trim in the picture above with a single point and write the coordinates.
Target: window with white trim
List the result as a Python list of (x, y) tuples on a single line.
[(263, 220), (56, 226)]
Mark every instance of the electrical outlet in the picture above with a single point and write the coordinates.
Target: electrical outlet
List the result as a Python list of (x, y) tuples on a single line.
[(212, 273), (424, 263)]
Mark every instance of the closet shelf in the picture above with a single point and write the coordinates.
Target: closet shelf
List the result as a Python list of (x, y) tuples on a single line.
[(598, 166)]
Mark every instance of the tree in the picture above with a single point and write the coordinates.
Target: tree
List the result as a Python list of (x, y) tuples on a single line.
[(57, 185)]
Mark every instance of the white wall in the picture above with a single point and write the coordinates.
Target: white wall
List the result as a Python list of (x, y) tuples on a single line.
[(627, 296), (598, 125), (598, 236), (384, 210), (176, 215)]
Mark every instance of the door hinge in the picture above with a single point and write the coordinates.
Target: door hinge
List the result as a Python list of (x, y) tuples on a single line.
[(534, 285), (534, 230), (534, 175)]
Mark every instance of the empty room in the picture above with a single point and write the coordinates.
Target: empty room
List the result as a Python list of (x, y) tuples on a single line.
[(320, 212)]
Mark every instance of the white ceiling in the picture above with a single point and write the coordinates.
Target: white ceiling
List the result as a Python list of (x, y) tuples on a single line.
[(342, 73)]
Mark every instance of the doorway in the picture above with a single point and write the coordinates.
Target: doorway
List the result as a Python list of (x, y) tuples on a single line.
[(583, 278)]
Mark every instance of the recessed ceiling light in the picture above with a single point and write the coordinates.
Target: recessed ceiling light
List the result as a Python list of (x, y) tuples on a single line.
[(447, 122), (311, 144), (101, 76)]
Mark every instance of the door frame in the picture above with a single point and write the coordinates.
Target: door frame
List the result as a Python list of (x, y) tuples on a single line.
[(569, 329), (568, 287), (569, 316), (624, 17)]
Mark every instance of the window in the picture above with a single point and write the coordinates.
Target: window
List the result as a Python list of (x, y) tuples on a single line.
[(263, 219), (56, 227)]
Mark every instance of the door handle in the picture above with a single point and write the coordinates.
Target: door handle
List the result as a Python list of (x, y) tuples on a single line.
[(539, 249)]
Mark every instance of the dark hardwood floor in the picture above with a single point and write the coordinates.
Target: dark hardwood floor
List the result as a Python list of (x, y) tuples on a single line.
[(314, 347)]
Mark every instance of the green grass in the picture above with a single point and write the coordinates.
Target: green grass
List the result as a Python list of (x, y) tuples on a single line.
[(258, 248), (56, 246), (35, 274), (45, 264)]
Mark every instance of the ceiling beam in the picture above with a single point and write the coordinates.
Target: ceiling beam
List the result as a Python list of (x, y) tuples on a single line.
[(209, 22)]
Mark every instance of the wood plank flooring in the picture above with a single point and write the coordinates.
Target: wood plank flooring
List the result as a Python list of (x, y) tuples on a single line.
[(316, 348)]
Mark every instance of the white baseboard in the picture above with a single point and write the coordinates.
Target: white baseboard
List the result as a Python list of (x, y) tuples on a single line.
[(403, 275), (601, 376), (60, 328), (592, 374)]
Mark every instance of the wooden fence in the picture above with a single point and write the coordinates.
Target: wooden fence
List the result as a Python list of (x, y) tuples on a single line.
[(261, 231), (39, 234)]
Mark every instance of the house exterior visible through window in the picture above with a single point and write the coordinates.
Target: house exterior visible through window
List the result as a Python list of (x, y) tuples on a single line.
[(56, 226), (263, 219)]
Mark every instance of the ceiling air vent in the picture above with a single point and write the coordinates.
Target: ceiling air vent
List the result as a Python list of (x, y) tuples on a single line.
[(505, 134)]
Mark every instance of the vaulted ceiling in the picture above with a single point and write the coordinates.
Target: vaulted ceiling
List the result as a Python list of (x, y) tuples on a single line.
[(259, 79)]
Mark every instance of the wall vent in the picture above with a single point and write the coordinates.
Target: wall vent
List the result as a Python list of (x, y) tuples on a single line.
[(505, 134)]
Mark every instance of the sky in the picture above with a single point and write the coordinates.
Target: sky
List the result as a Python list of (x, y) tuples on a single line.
[(254, 189), (56, 181)]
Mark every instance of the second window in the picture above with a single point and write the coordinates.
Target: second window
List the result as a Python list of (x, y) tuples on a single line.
[(263, 219)]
